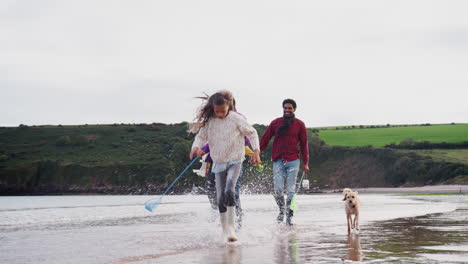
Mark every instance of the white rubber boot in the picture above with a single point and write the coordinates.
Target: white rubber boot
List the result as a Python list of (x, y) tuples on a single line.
[(223, 220), (231, 224)]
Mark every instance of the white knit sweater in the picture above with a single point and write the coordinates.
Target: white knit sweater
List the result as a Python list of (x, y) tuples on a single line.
[(226, 137)]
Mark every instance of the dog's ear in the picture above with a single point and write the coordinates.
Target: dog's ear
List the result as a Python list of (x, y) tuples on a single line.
[(344, 196), (356, 192)]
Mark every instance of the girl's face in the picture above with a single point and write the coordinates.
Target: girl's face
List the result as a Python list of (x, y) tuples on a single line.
[(221, 111)]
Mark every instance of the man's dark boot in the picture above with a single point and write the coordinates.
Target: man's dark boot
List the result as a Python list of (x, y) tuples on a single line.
[(289, 214), (280, 203)]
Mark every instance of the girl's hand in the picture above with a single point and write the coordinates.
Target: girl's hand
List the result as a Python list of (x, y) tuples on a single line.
[(256, 157), (195, 150), (200, 153)]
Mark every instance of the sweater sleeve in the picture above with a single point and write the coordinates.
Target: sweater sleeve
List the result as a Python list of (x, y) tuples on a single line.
[(201, 138), (249, 131), (246, 139), (303, 142)]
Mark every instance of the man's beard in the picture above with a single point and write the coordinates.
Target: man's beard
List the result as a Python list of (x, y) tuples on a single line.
[(287, 120)]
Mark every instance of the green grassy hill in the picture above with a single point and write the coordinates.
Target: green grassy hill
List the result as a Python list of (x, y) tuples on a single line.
[(119, 158), (378, 137), (93, 145)]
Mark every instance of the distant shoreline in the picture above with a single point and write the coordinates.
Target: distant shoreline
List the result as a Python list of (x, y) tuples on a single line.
[(456, 188)]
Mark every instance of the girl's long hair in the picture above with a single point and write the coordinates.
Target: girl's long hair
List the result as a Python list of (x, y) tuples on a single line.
[(206, 109)]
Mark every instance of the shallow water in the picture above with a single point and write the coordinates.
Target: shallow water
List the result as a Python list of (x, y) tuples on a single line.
[(183, 229)]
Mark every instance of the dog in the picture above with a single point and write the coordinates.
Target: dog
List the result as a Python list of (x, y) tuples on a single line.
[(345, 191), (352, 205)]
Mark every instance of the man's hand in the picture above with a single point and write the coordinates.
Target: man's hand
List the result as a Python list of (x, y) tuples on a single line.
[(305, 167)]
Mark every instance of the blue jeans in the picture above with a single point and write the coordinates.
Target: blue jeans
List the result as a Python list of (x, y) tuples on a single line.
[(211, 191), (285, 172), (226, 175)]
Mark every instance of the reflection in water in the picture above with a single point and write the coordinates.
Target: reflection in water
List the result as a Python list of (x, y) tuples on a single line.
[(227, 254), (423, 239), (354, 248), (231, 255), (287, 249)]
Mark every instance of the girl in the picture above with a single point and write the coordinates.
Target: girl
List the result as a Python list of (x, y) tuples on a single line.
[(205, 170), (225, 131)]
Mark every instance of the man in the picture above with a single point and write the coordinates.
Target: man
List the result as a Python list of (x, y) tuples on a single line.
[(290, 133)]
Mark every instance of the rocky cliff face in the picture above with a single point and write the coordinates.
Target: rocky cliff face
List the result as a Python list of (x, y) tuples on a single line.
[(340, 167), (57, 178), (357, 171)]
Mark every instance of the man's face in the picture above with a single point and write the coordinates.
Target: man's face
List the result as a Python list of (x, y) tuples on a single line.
[(288, 109)]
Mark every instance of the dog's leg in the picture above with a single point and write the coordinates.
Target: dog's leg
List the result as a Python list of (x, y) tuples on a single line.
[(356, 221), (348, 218)]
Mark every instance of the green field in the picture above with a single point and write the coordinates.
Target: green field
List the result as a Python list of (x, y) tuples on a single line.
[(379, 137)]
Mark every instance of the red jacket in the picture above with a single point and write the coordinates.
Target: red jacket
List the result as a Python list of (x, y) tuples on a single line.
[(286, 147)]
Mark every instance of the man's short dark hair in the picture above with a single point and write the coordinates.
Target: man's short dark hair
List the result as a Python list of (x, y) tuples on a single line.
[(290, 101)]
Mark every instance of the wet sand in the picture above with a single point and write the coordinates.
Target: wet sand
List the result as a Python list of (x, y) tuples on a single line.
[(429, 238), (117, 229), (433, 238)]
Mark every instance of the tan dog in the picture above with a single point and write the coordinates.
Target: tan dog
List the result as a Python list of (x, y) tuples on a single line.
[(352, 208), (345, 191)]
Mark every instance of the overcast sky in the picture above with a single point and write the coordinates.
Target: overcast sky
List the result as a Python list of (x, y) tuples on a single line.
[(344, 62)]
